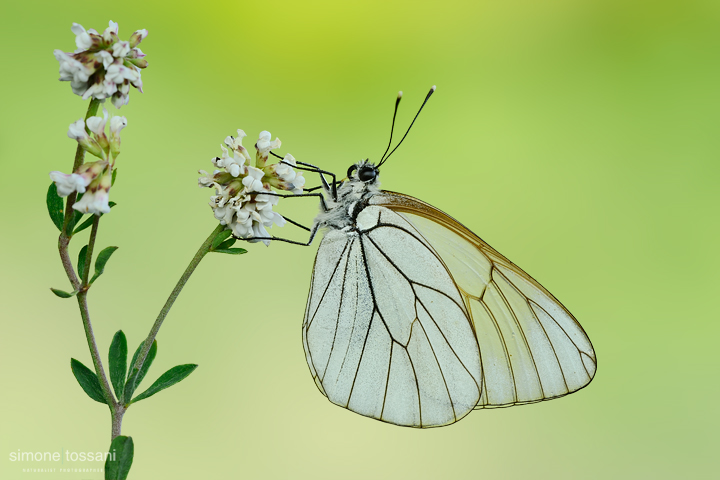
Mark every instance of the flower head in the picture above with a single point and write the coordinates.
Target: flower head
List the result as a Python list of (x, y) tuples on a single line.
[(103, 66), (244, 198)]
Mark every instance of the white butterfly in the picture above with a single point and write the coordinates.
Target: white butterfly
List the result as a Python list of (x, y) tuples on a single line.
[(414, 320)]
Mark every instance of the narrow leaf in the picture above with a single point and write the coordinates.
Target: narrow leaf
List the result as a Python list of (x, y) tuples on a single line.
[(114, 176), (87, 380), (135, 377), (118, 463), (231, 251), (89, 221), (101, 260), (226, 244), (82, 256), (167, 379), (117, 359), (221, 237), (55, 206), (62, 293), (86, 224)]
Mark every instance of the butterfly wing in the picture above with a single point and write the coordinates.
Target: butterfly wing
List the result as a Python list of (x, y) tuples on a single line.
[(386, 332), (531, 347)]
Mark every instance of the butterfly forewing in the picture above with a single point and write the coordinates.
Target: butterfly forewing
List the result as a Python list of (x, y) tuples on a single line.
[(531, 347)]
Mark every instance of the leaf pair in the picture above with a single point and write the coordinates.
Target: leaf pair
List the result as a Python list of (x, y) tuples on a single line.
[(124, 390), (222, 243), (100, 263)]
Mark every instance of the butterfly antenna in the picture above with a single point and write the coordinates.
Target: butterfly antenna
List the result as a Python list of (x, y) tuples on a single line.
[(392, 127), (432, 90)]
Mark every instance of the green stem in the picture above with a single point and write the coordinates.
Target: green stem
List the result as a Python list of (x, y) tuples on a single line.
[(85, 274), (202, 251), (94, 353)]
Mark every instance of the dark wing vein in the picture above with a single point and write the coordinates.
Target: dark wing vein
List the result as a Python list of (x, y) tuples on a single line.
[(522, 332), (337, 320), (505, 349), (328, 284), (442, 374)]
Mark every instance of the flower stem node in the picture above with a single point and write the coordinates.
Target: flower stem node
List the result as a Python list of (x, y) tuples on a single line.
[(103, 66), (241, 199)]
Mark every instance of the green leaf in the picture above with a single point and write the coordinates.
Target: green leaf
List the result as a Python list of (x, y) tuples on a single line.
[(114, 175), (87, 380), (101, 260), (226, 244), (135, 377), (82, 256), (55, 207), (118, 463), (117, 358), (62, 293), (220, 238), (231, 251), (167, 379), (89, 221), (76, 217)]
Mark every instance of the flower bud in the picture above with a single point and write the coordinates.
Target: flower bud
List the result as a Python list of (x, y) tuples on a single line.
[(116, 126), (138, 37)]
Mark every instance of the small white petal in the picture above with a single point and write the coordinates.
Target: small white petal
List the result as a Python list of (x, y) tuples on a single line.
[(76, 131), (66, 184)]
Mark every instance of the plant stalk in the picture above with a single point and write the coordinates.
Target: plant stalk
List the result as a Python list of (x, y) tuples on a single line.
[(202, 251), (81, 283)]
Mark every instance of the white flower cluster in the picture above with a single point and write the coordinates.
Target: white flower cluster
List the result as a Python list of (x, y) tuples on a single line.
[(103, 66), (242, 200), (92, 179)]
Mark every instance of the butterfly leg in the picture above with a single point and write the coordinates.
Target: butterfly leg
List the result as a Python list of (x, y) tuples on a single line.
[(331, 190), (323, 205), (313, 231)]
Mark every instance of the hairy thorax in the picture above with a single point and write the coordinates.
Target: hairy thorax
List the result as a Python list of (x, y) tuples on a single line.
[(353, 196)]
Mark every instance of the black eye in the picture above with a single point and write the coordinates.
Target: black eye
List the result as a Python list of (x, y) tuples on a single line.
[(366, 174)]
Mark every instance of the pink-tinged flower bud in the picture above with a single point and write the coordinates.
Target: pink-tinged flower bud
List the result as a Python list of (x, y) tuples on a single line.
[(97, 126), (138, 37), (77, 131), (110, 35), (121, 49), (95, 199), (116, 126), (138, 62)]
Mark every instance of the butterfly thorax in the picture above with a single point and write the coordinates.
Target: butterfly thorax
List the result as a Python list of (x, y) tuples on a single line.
[(353, 196)]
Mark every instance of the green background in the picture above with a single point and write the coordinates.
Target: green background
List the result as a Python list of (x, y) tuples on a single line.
[(579, 138)]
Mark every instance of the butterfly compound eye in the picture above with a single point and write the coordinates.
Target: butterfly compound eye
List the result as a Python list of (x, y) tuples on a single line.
[(367, 174)]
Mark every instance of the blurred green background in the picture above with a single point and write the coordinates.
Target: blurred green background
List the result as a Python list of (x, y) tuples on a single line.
[(579, 138)]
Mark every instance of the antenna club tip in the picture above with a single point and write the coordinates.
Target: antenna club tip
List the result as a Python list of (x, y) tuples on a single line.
[(433, 88), (400, 94)]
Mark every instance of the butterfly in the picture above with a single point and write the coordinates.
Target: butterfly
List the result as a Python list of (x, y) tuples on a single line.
[(414, 320)]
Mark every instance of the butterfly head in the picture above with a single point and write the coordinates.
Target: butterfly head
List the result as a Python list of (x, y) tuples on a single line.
[(363, 171)]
